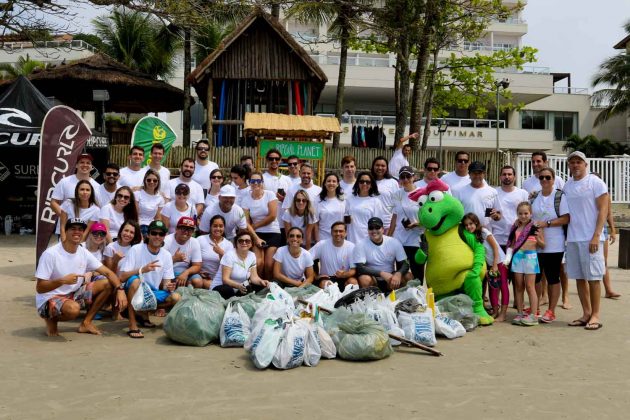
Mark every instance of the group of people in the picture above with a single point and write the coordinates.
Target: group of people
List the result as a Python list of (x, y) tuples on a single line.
[(236, 235)]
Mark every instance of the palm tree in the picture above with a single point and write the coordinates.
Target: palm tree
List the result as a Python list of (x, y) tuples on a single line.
[(22, 67), (139, 41), (207, 37), (614, 72), (594, 147)]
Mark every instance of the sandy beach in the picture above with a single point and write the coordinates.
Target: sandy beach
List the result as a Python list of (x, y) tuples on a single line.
[(498, 372)]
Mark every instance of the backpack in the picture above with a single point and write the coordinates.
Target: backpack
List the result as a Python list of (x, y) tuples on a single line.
[(556, 205)]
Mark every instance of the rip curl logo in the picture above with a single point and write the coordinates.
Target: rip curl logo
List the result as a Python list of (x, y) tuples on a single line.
[(4, 172), (7, 114)]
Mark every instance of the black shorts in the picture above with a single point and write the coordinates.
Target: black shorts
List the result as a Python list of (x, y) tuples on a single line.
[(272, 239), (550, 263)]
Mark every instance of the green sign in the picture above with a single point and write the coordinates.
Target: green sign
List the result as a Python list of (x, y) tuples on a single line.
[(302, 149), (151, 130)]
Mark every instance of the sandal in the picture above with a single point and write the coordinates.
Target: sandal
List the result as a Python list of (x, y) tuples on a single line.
[(145, 323), (577, 323), (592, 326), (135, 334)]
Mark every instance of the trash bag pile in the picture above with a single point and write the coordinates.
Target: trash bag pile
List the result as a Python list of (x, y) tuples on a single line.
[(196, 319)]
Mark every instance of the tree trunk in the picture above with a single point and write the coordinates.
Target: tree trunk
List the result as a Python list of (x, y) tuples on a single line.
[(187, 99), (404, 79), (275, 9), (428, 106), (341, 79)]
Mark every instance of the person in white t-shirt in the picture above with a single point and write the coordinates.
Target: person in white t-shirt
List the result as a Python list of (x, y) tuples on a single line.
[(155, 163), (431, 171), (128, 236), (301, 214), (64, 189), (330, 207), (509, 197), (181, 206), (148, 262), (95, 241), (293, 167), (240, 176), (293, 265), (587, 200), (203, 166), (335, 257), (237, 274), (306, 174), (216, 183), (149, 200), (387, 185), (61, 287), (186, 170), (83, 206), (381, 261), (276, 182), (121, 208), (233, 215), (213, 246), (361, 206), (403, 151), (106, 191), (348, 174), (532, 184), (186, 252), (459, 177), (478, 197), (132, 175)]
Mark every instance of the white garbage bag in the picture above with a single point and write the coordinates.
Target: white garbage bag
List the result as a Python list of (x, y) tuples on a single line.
[(265, 344), (418, 326), (290, 352), (235, 327)]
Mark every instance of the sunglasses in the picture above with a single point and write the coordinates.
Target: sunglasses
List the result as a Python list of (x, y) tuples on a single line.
[(151, 181), (301, 200), (244, 241), (545, 177), (295, 236), (292, 164), (255, 181), (432, 169), (112, 174), (462, 160), (273, 159), (374, 227), (157, 233), (405, 176), (216, 177), (202, 149), (99, 234), (364, 181), (180, 193), (123, 197)]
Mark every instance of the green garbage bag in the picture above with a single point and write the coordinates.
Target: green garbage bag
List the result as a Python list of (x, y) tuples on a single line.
[(460, 308), (362, 338), (249, 303), (196, 319), (302, 292)]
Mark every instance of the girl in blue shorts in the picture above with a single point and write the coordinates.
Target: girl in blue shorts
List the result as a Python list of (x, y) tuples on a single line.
[(523, 240)]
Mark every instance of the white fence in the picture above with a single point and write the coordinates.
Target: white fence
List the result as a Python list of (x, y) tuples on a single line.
[(615, 172)]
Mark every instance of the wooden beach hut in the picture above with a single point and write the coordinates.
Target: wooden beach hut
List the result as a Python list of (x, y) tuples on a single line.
[(257, 68)]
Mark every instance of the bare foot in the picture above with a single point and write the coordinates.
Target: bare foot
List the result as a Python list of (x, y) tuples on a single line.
[(544, 301), (89, 329), (51, 328), (500, 318), (613, 295), (161, 313), (566, 305)]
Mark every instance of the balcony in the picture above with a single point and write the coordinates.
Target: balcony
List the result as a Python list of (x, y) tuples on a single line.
[(570, 90)]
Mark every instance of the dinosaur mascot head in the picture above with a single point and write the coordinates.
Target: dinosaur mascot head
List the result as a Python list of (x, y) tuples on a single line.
[(439, 211)]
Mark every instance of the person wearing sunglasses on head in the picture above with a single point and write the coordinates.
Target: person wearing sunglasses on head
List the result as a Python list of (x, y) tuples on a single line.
[(186, 252), (203, 165), (150, 263), (121, 208), (306, 184), (459, 177), (105, 192)]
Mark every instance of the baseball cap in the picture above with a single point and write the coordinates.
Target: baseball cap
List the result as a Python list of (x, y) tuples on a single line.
[(157, 225), (577, 154), (98, 227), (375, 222), (406, 170), (476, 166), (75, 221), (85, 156), (186, 221), (227, 191)]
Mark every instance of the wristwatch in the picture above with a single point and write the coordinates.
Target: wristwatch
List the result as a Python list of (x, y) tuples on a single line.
[(121, 287), (548, 223)]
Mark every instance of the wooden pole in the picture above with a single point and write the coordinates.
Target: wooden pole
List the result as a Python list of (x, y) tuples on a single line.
[(209, 112)]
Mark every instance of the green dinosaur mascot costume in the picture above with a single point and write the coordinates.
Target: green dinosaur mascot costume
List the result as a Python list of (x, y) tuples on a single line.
[(456, 259)]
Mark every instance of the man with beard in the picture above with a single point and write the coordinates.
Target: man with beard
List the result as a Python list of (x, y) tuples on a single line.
[(186, 171), (203, 166), (276, 182), (133, 174), (532, 184), (233, 214), (106, 191), (335, 257), (509, 197), (66, 186), (306, 174)]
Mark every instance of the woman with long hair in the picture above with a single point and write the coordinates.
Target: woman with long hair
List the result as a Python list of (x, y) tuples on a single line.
[(301, 214), (240, 175), (180, 207), (83, 206), (216, 182), (293, 266), (128, 236), (362, 205), (149, 200), (213, 247), (330, 207), (121, 208), (95, 241), (387, 185)]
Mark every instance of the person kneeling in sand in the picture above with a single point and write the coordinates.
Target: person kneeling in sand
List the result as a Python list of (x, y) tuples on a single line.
[(151, 263), (62, 290)]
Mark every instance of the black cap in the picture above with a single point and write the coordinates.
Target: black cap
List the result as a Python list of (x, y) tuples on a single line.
[(375, 222), (476, 166), (75, 221), (406, 170)]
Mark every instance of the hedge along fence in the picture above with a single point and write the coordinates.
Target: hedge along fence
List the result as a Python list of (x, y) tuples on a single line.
[(226, 157)]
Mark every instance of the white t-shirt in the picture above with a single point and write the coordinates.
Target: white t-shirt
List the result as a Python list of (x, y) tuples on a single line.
[(241, 270), (88, 215), (114, 218), (477, 200), (98, 254), (543, 208), (386, 187), (381, 257), (329, 211), (234, 219), (294, 181), (173, 214), (115, 248), (259, 209), (139, 256), (509, 202), (273, 183), (56, 262), (581, 200), (532, 184), (131, 178), (489, 251), (202, 174), (298, 221), (361, 209), (148, 206), (210, 259), (211, 200), (312, 191), (191, 249), (346, 188), (65, 187), (292, 267), (196, 192), (103, 196), (397, 161), (241, 194), (332, 258), (405, 208), (455, 181)]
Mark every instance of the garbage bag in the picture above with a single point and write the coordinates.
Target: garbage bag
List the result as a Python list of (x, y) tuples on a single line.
[(144, 299), (326, 297), (312, 348), (281, 295), (361, 338), (271, 308), (235, 326), (302, 292), (448, 327), (460, 308), (331, 321), (418, 327), (290, 351), (265, 343), (196, 319), (249, 302)]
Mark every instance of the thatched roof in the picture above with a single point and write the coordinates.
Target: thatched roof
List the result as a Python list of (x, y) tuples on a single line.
[(244, 55), (129, 90), (282, 125)]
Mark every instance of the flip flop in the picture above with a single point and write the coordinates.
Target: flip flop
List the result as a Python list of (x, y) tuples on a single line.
[(145, 323), (616, 296), (136, 332), (577, 323), (592, 326)]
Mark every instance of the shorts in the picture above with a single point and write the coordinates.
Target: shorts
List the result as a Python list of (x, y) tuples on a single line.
[(160, 295), (525, 262), (272, 239), (190, 278), (550, 263), (582, 265), (52, 308)]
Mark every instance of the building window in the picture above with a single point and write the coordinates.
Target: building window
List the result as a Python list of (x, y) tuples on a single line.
[(197, 115), (533, 120), (565, 124)]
